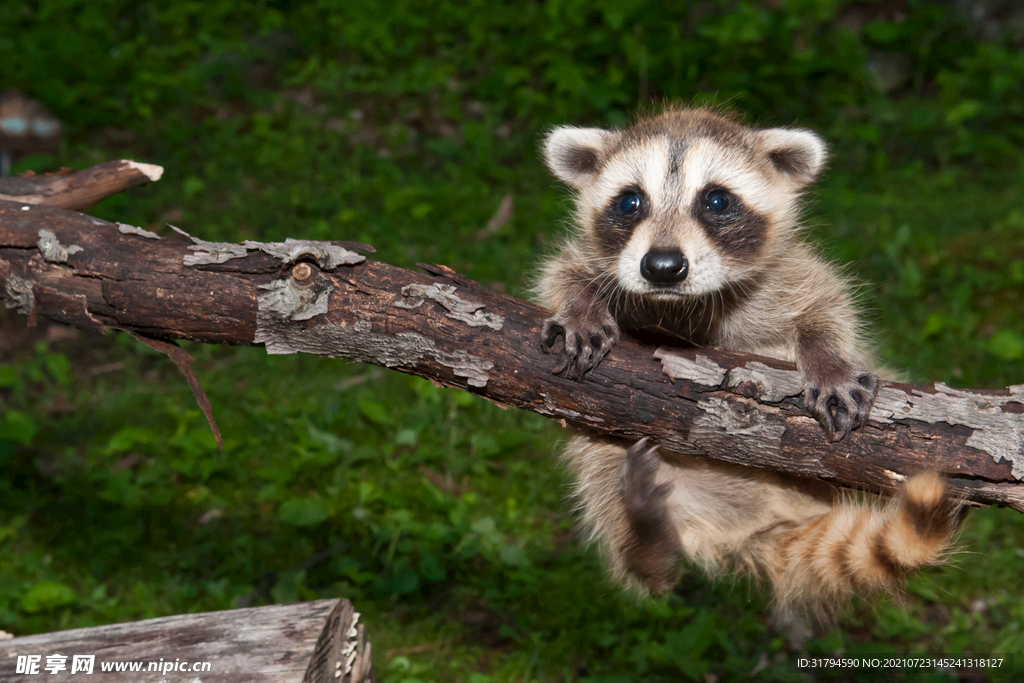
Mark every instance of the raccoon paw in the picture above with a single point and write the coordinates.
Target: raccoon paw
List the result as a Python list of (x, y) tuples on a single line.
[(645, 503), (586, 341), (843, 405)]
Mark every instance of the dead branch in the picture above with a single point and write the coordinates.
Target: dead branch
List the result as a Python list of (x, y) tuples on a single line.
[(315, 642), (80, 189), (184, 361), (325, 298)]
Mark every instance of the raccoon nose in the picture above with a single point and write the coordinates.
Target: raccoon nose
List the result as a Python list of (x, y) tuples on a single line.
[(664, 267)]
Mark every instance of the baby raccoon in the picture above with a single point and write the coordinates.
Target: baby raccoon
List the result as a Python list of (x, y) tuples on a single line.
[(687, 226)]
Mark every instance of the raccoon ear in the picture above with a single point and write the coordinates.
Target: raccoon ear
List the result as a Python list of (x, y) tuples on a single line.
[(800, 154), (574, 154)]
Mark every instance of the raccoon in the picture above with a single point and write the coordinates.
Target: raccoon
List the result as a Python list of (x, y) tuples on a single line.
[(687, 226)]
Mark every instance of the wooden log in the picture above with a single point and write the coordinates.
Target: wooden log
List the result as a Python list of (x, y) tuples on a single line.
[(309, 642), (325, 298), (80, 189)]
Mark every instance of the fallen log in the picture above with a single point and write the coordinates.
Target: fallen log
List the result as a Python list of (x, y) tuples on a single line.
[(309, 642), (327, 298)]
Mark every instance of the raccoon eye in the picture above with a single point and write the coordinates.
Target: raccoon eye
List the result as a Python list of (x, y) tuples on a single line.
[(630, 203), (716, 201)]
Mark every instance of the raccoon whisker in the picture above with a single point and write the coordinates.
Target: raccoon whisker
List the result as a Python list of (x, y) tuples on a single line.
[(639, 305), (600, 284), (661, 319), (607, 285), (600, 274)]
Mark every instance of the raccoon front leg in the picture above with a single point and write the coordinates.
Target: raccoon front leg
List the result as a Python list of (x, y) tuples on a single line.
[(651, 548), (581, 318), (837, 392)]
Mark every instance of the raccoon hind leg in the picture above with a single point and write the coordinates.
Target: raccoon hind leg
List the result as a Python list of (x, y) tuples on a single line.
[(650, 549)]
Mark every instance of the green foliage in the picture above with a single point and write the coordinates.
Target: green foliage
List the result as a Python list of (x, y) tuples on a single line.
[(47, 595), (411, 64), (404, 124)]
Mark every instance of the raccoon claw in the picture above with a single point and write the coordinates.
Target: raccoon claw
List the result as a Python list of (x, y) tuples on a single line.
[(843, 406), (645, 502), (550, 334), (585, 344)]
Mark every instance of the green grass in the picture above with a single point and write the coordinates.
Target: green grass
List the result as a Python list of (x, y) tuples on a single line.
[(443, 517)]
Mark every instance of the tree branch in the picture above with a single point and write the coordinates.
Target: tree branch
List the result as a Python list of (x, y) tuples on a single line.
[(327, 299), (80, 189)]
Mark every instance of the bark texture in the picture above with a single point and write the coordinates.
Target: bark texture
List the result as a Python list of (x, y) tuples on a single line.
[(310, 642), (327, 298)]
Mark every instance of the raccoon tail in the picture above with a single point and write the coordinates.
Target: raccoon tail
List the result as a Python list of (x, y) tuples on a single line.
[(859, 549)]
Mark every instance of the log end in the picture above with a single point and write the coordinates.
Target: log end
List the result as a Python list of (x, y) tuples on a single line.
[(151, 171)]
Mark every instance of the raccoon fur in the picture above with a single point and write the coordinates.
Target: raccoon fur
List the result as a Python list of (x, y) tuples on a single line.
[(687, 226)]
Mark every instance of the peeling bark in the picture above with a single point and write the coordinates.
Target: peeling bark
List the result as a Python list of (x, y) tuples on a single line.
[(132, 230), (18, 293), (469, 312), (327, 255), (52, 250), (325, 298)]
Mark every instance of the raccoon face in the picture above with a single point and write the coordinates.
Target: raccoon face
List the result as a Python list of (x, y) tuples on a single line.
[(685, 203)]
